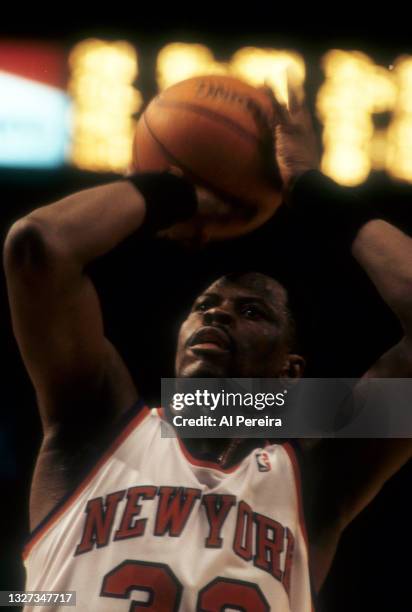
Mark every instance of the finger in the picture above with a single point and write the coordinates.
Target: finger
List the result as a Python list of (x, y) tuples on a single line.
[(280, 108), (280, 111), (294, 105), (306, 120), (266, 89), (175, 170), (293, 99)]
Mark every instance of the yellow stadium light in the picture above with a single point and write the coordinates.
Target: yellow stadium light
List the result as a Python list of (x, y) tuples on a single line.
[(399, 153), (270, 67), (348, 166), (355, 89), (179, 61), (403, 72), (379, 149), (101, 84)]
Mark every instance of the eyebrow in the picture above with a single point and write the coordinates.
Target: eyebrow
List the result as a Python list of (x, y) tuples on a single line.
[(202, 296), (243, 299)]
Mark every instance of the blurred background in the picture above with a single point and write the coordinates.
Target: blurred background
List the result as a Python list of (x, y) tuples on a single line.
[(70, 93)]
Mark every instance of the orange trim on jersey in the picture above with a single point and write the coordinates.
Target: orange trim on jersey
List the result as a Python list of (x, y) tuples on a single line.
[(193, 460), (38, 534), (208, 464)]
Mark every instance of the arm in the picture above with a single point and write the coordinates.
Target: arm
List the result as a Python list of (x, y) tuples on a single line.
[(385, 253), (55, 310), (347, 474)]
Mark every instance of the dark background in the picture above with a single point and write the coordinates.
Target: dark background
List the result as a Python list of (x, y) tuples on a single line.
[(146, 285)]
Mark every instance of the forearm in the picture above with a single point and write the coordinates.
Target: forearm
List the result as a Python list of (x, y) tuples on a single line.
[(342, 221), (90, 223), (385, 253)]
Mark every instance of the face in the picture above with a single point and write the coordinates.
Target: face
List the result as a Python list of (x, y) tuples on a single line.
[(234, 331)]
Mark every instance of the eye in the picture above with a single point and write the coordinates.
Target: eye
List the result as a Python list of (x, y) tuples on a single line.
[(202, 306), (252, 312)]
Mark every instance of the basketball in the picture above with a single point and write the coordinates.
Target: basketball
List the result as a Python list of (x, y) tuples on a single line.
[(216, 129)]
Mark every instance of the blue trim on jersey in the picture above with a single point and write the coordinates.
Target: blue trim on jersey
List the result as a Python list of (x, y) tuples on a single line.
[(120, 426)]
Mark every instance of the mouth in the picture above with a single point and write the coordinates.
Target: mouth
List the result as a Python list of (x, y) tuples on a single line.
[(210, 340)]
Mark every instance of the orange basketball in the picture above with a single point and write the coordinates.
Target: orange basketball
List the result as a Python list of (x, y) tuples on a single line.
[(216, 129)]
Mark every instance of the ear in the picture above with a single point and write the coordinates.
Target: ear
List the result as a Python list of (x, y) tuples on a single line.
[(293, 366)]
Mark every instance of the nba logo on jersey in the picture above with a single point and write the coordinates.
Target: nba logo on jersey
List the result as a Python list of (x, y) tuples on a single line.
[(263, 462)]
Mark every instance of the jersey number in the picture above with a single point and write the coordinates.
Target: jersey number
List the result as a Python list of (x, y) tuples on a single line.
[(163, 591)]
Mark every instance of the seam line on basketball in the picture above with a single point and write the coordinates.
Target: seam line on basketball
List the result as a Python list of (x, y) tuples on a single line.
[(200, 110), (223, 194)]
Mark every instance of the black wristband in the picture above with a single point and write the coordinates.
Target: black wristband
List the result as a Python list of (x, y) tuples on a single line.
[(323, 205), (169, 198)]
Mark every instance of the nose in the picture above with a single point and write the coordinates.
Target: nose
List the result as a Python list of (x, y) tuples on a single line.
[(217, 315)]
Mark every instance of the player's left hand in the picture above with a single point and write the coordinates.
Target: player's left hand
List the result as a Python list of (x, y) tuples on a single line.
[(295, 144)]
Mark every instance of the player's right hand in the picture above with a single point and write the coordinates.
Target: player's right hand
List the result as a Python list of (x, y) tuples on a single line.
[(295, 144)]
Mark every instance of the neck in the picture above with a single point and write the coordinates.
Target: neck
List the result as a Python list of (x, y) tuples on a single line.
[(223, 451)]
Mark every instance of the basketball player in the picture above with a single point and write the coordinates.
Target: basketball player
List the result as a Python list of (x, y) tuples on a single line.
[(157, 521)]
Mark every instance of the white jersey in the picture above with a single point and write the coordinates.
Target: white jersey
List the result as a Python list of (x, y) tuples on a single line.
[(153, 528)]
